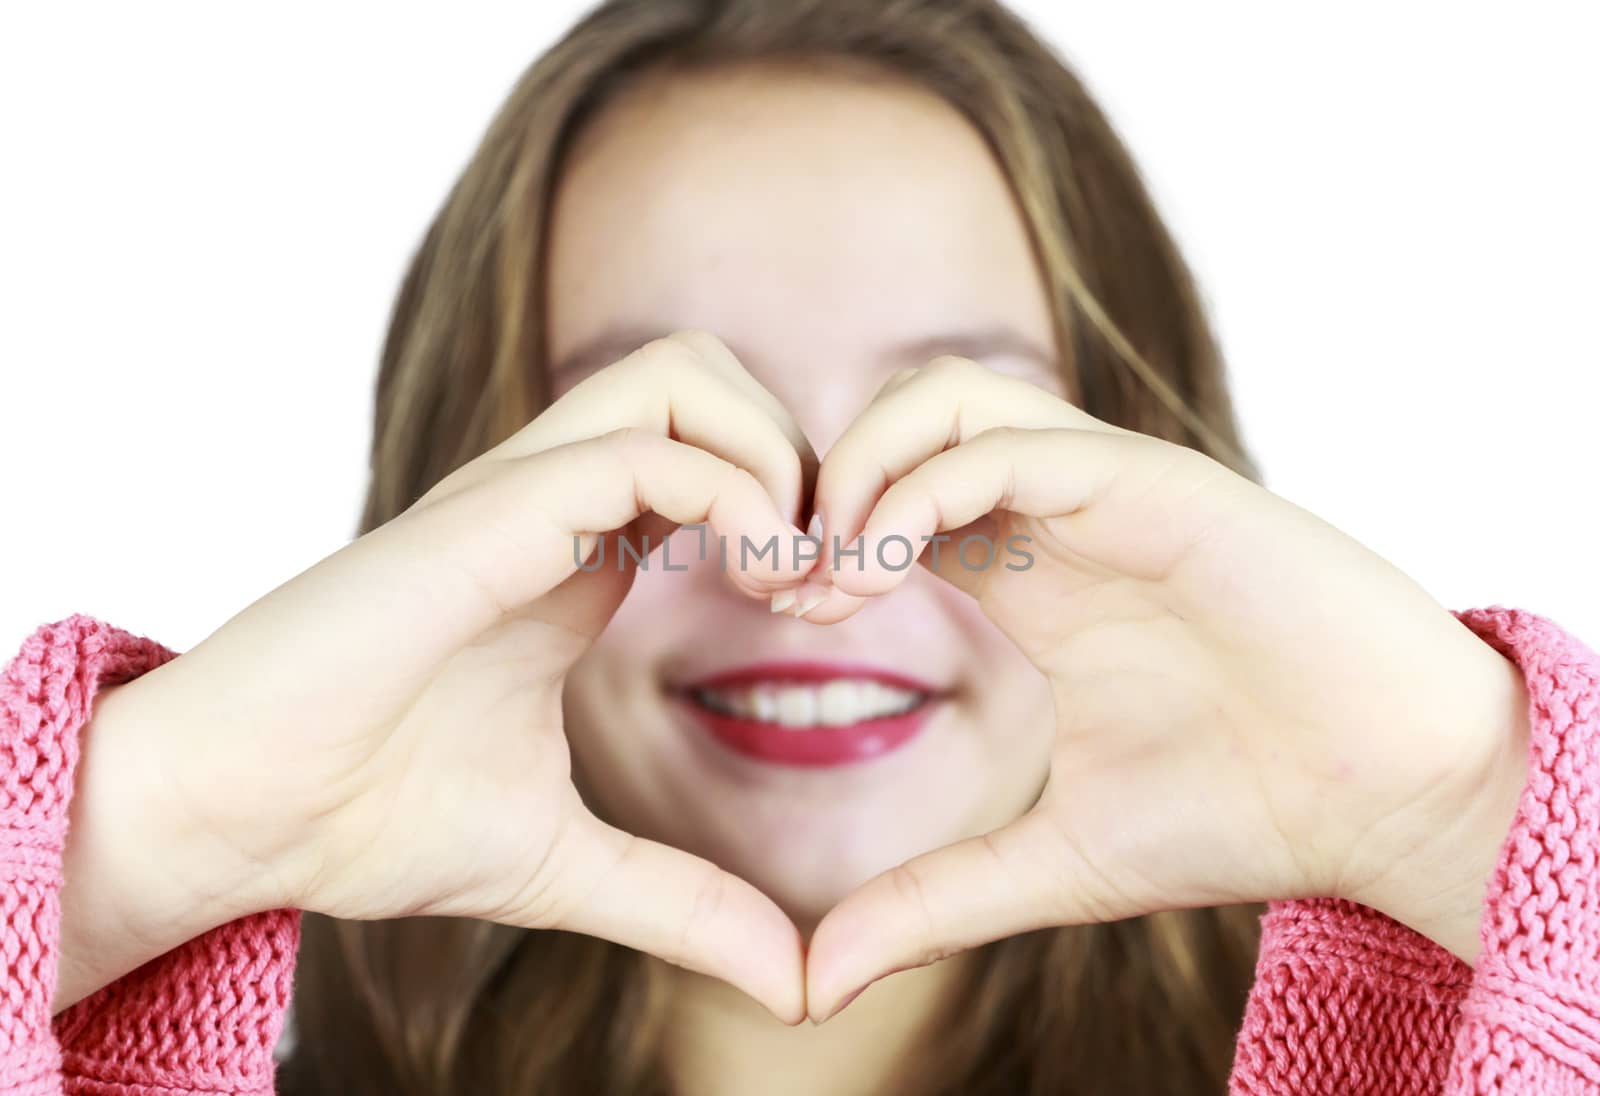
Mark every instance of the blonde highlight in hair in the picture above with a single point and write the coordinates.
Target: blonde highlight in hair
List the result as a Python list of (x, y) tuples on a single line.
[(429, 1006)]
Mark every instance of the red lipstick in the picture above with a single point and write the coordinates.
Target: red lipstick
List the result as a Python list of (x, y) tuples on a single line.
[(832, 713)]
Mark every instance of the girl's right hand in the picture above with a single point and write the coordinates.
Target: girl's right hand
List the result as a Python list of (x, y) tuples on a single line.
[(381, 735)]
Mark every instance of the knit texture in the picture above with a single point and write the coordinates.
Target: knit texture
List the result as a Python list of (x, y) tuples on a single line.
[(1347, 1002), (202, 1018)]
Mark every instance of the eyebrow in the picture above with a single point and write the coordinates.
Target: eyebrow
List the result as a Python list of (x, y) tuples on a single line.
[(614, 343)]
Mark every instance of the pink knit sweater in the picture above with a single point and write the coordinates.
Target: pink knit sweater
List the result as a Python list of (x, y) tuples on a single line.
[(1346, 1001)]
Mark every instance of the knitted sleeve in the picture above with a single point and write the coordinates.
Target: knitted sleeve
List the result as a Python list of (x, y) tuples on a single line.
[(202, 1018), (1349, 1002)]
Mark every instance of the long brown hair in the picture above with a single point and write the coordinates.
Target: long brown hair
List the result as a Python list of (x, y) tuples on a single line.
[(432, 1005)]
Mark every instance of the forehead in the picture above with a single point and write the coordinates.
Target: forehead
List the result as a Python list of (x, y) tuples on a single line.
[(803, 215)]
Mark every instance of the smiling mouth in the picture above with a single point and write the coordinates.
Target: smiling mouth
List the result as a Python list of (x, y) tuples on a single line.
[(800, 706), (810, 713)]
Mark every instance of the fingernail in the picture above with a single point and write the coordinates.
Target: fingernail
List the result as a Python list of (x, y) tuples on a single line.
[(815, 530), (782, 600), (809, 601)]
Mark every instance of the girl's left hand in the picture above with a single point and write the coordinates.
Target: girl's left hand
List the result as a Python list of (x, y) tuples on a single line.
[(1250, 705)]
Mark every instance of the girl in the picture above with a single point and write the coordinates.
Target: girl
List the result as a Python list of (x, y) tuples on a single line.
[(570, 811)]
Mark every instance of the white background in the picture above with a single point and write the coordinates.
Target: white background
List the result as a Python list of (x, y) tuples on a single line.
[(205, 209)]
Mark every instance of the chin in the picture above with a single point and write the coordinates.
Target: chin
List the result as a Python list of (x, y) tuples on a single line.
[(809, 871), (806, 837)]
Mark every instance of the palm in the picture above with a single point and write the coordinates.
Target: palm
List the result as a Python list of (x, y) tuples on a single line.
[(1135, 676), (451, 805), (1209, 684), (458, 803), (474, 781)]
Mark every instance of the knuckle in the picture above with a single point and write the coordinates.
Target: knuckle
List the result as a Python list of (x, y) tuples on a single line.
[(638, 437), (1001, 437), (699, 348), (658, 362), (688, 355), (791, 465), (631, 444), (666, 355), (953, 367), (731, 481), (697, 339)]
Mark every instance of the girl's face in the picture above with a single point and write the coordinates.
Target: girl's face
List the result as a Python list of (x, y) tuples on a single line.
[(830, 231)]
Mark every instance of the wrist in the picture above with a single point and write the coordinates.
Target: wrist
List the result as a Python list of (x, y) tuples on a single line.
[(143, 873), (1438, 883)]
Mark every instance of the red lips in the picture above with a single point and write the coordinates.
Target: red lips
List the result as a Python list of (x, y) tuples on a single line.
[(841, 739)]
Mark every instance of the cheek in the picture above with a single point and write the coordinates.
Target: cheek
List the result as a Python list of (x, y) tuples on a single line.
[(1013, 712), (615, 720), (595, 707), (613, 685)]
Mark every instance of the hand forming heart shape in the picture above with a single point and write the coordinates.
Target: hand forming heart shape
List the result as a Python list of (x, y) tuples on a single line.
[(1249, 703)]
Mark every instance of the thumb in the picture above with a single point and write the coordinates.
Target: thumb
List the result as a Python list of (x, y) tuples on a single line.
[(1022, 877), (676, 906)]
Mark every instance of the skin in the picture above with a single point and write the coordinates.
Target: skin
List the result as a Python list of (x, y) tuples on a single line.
[(1227, 699), (897, 227), (897, 224)]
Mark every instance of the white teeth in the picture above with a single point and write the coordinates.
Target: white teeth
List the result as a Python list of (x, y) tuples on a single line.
[(839, 701), (798, 706), (761, 703)]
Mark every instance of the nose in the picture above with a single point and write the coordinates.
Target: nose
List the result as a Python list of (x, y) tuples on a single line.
[(824, 391)]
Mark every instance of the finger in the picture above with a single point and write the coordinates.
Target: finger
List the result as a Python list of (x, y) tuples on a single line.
[(1044, 473), (955, 898), (916, 414), (477, 554), (680, 908), (818, 603), (1061, 863), (716, 354), (690, 387)]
